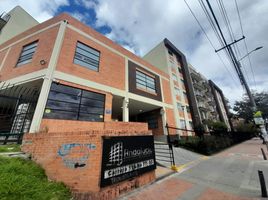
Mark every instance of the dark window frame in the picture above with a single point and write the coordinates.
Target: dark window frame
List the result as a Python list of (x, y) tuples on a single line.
[(28, 57), (76, 109), (94, 63), (145, 80)]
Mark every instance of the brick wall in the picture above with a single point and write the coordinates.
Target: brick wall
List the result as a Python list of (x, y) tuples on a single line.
[(83, 181), (43, 51), (59, 125)]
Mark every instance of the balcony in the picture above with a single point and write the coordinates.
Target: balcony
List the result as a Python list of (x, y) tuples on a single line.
[(196, 76), (198, 85), (3, 20), (203, 106)]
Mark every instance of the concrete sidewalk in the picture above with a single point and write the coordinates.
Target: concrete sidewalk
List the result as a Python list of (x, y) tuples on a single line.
[(231, 174)]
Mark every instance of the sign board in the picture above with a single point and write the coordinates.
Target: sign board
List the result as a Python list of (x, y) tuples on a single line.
[(258, 120), (126, 157)]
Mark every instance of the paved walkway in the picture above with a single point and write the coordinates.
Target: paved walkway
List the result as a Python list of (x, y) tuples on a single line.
[(231, 174)]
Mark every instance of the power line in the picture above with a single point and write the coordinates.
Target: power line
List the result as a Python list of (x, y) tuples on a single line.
[(209, 40), (241, 27), (230, 30)]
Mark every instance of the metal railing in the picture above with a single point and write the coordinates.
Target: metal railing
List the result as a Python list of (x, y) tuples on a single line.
[(17, 105)]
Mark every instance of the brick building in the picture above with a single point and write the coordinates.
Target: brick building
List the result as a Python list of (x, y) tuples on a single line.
[(81, 77)]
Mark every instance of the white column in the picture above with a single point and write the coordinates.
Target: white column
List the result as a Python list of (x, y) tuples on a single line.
[(125, 110), (41, 103), (164, 119)]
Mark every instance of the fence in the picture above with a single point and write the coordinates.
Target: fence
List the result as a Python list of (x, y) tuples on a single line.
[(17, 105)]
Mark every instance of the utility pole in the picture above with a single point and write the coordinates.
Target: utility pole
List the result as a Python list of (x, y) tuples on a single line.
[(237, 66)]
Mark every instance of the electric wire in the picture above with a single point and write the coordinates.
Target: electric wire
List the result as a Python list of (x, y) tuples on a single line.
[(226, 20), (215, 30), (209, 40), (242, 31)]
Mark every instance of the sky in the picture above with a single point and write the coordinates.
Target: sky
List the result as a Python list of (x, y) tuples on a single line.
[(140, 25)]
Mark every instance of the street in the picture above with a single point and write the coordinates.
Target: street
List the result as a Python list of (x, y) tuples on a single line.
[(231, 174)]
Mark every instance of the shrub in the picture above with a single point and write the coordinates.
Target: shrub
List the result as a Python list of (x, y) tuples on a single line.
[(219, 127), (246, 128)]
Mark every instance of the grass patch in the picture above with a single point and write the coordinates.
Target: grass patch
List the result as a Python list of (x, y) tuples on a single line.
[(9, 148), (23, 179)]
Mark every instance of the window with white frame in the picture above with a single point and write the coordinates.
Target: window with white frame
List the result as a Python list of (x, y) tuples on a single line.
[(182, 123), (145, 82), (179, 106), (87, 56), (27, 53), (174, 77), (178, 92)]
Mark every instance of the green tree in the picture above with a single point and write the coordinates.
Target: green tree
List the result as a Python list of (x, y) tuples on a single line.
[(244, 110)]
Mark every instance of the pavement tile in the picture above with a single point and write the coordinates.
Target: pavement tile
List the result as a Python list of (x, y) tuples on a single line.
[(166, 190), (212, 194)]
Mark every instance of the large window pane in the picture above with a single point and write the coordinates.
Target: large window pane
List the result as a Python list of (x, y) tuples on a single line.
[(66, 102), (87, 56), (143, 81), (27, 53)]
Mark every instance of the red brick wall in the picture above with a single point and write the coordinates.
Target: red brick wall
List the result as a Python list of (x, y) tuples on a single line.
[(166, 91), (111, 67), (59, 125), (171, 120), (84, 181), (43, 51)]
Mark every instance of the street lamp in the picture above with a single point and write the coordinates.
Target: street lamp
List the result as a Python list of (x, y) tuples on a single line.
[(257, 115), (250, 53)]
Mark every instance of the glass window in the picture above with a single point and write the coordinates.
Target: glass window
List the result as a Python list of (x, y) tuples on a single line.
[(145, 82), (87, 56), (182, 123), (188, 109), (174, 77), (178, 92), (70, 103), (152, 122), (191, 125), (179, 106), (27, 53)]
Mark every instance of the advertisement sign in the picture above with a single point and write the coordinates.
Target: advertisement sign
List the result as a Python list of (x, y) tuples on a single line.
[(126, 157)]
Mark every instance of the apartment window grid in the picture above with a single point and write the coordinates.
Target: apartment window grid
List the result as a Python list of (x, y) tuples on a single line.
[(65, 102), (182, 124), (87, 56), (179, 106), (178, 92), (191, 126), (188, 109), (145, 82), (27, 53), (174, 77)]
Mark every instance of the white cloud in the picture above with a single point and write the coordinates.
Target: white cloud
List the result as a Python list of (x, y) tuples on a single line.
[(140, 25), (143, 24), (41, 10)]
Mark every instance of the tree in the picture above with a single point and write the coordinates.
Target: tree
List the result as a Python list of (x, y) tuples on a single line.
[(244, 108)]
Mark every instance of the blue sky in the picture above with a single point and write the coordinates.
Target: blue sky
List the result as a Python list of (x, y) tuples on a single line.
[(140, 25)]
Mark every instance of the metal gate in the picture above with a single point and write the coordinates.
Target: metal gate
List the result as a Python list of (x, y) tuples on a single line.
[(17, 105)]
